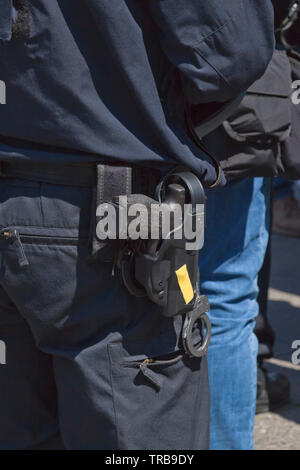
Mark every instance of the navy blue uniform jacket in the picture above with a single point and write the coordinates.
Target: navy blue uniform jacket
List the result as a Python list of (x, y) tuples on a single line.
[(89, 79)]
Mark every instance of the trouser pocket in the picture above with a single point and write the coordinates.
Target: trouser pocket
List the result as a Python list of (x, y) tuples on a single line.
[(6, 17), (151, 368), (160, 400), (17, 240)]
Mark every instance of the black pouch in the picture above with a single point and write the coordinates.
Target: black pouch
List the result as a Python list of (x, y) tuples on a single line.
[(264, 116), (6, 18), (290, 148), (262, 121)]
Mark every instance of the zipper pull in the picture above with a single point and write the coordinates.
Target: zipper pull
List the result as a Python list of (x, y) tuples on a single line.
[(146, 362), (154, 378), (13, 236)]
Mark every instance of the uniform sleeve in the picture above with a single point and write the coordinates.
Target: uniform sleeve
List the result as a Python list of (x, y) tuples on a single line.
[(220, 47)]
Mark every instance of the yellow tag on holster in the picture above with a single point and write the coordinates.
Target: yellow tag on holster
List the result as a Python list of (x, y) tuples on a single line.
[(185, 284)]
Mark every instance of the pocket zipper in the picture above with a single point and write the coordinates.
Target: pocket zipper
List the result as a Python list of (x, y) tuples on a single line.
[(14, 237), (51, 239), (160, 362), (149, 374), (152, 361)]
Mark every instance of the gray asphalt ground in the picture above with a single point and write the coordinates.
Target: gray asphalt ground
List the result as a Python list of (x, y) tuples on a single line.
[(281, 429)]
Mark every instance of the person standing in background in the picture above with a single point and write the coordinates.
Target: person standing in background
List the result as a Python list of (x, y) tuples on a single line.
[(86, 103)]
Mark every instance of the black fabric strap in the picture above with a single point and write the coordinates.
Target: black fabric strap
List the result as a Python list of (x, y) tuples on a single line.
[(111, 181), (68, 175)]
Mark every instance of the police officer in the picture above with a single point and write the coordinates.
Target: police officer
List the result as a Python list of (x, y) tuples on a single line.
[(91, 85)]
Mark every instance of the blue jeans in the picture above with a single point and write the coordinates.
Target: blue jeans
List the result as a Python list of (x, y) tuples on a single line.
[(236, 240)]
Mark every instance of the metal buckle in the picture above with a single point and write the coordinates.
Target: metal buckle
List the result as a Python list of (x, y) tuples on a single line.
[(193, 317)]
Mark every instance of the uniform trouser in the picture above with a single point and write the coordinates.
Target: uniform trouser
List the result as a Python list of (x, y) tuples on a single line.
[(236, 240), (75, 340)]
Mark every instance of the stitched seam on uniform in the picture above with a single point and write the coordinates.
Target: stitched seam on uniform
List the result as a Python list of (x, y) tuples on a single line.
[(128, 177), (102, 171), (212, 33), (113, 394), (127, 181), (41, 204), (213, 67)]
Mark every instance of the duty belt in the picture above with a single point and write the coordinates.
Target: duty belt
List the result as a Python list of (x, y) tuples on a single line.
[(110, 179)]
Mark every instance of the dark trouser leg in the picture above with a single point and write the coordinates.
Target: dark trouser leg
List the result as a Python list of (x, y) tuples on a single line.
[(263, 329), (273, 389), (92, 335), (28, 401)]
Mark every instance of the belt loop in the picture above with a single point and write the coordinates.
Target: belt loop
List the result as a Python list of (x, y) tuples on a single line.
[(97, 199), (111, 181)]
